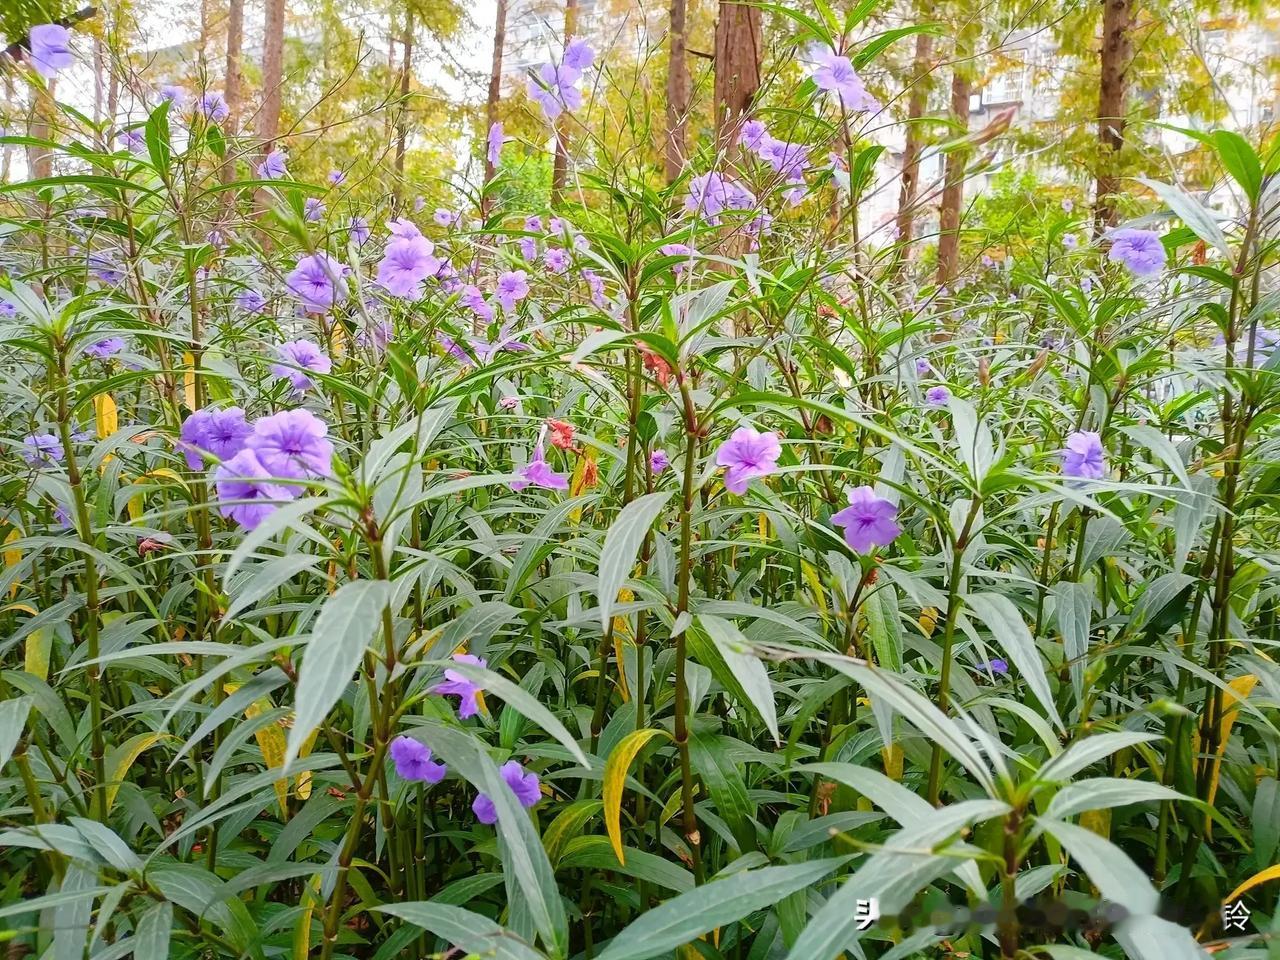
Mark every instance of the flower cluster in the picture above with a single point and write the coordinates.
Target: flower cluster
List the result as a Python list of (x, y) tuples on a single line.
[(555, 86)]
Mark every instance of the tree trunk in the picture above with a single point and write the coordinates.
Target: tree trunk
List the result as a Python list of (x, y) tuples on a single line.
[(272, 74), (1117, 52), (231, 89), (402, 125), (677, 94), (98, 85), (917, 103), (739, 48), (953, 182), (495, 83), (560, 168)]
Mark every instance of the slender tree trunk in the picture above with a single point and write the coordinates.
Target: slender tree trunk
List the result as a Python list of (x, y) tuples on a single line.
[(272, 74), (560, 169), (678, 84), (739, 48), (39, 158), (402, 131), (98, 84), (232, 86), (1117, 52), (953, 182), (495, 82), (917, 103)]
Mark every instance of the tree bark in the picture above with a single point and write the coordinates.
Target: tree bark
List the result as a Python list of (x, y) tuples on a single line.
[(495, 83), (402, 125), (231, 89), (1117, 53), (917, 103), (272, 74), (678, 84), (560, 167), (953, 182), (739, 48)]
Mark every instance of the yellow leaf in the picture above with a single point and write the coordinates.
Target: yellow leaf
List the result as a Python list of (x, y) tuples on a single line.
[(122, 758), (622, 625), (616, 768), (303, 788), (1239, 689), (189, 380), (622, 671), (928, 620), (1098, 821), (36, 652), (302, 932), (12, 558), (104, 408), (272, 744), (893, 759), (1262, 876), (815, 585), (585, 476), (763, 523)]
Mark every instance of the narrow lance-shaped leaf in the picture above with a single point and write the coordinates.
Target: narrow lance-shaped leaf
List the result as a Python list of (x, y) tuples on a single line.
[(621, 545)]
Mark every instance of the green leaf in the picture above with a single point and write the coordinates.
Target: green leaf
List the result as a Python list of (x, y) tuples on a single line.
[(749, 676), (1117, 878), (519, 700), (1010, 631), (1099, 793), (1073, 610), (151, 939), (1090, 750), (621, 544), (347, 622), (264, 579), (1240, 161), (526, 868), (1192, 213), (470, 932), (716, 904), (13, 719)]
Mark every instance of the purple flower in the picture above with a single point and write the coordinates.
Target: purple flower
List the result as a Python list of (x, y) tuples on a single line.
[(1139, 250), (50, 49), (746, 454), (835, 74), (596, 284), (314, 281), (1068, 205), (337, 178), (923, 367), (312, 209), (1070, 241), (712, 193), (455, 684), (495, 143), (220, 433), (7, 310), (42, 449), (413, 761), (789, 159), (272, 167), (658, 461), (376, 335), (1083, 456), (300, 356), (174, 94), (473, 299), (403, 228), (213, 106), (995, 665), (405, 264), (524, 785), (359, 230), (103, 268), (533, 224), (555, 89), (104, 348), (133, 141), (754, 136), (509, 402), (538, 472), (556, 259), (246, 491), (445, 218), (293, 444), (512, 287), (250, 300), (578, 55), (869, 521), (937, 396)]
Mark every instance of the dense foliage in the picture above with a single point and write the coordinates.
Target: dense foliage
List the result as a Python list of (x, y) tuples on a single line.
[(663, 574)]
